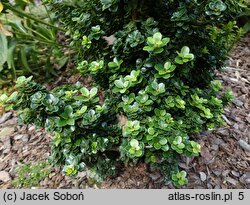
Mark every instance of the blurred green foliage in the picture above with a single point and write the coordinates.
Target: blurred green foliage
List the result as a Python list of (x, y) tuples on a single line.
[(29, 42)]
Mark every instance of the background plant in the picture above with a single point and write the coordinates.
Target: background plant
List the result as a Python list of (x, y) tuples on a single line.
[(28, 39), (152, 64), (244, 18)]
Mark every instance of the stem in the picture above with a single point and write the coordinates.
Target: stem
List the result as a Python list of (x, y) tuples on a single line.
[(31, 17), (50, 19), (38, 39)]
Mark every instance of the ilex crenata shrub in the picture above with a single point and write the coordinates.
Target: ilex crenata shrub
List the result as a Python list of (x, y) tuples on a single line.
[(152, 64)]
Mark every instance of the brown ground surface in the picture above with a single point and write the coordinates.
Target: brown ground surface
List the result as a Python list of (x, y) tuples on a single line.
[(223, 163)]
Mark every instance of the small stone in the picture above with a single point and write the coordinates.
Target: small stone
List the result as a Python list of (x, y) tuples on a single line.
[(223, 131), (6, 132), (217, 187), (244, 145), (244, 90), (225, 118), (245, 178), (5, 117), (238, 103), (215, 147), (218, 141), (25, 138), (82, 174), (31, 128), (52, 174), (236, 126), (46, 155), (236, 174), (122, 185), (225, 173), (4, 176), (7, 145), (11, 122), (155, 176), (18, 137), (217, 172), (232, 181), (209, 186), (203, 176)]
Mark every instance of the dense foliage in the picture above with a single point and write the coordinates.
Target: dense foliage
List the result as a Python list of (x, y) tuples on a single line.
[(207, 27), (152, 64)]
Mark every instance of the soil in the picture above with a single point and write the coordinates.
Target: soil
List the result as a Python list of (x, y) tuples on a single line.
[(225, 155)]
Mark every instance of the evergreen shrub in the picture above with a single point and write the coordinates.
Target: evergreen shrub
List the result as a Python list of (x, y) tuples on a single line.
[(152, 64)]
